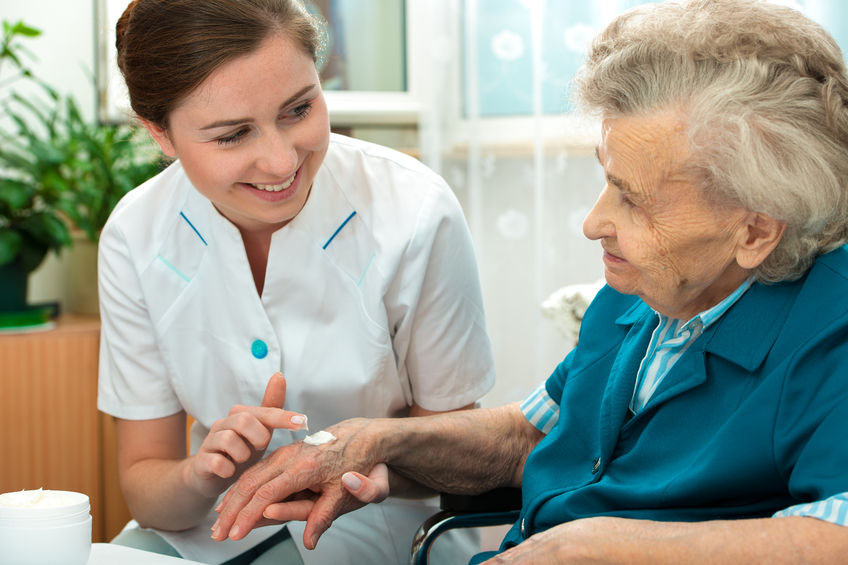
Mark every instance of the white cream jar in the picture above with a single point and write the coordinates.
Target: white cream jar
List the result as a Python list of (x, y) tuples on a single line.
[(45, 526)]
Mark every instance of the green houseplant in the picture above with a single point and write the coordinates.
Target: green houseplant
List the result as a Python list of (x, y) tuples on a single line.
[(57, 171)]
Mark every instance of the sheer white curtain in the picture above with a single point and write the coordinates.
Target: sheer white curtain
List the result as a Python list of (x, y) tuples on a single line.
[(525, 177), (496, 126)]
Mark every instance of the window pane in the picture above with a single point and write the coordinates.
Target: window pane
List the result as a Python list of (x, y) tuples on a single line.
[(501, 33), (366, 45)]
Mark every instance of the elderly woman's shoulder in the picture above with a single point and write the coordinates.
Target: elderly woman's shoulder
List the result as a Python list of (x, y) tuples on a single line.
[(613, 308), (824, 288), (835, 262)]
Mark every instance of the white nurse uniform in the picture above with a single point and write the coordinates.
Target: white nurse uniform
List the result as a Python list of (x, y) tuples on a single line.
[(371, 302)]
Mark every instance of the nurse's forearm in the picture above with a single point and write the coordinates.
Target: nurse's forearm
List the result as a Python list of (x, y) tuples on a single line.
[(159, 496), (462, 452)]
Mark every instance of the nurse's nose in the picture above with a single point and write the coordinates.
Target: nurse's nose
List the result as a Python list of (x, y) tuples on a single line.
[(598, 223), (277, 155)]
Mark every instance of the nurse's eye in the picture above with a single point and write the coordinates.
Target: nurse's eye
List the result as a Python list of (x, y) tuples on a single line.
[(299, 112), (232, 138)]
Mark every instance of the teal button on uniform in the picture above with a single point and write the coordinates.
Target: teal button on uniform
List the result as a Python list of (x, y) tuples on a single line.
[(259, 349)]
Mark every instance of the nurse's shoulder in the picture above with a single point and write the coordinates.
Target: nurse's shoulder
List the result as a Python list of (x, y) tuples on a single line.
[(143, 216), (388, 187)]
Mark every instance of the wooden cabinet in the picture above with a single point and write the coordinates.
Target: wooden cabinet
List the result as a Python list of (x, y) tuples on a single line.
[(51, 434)]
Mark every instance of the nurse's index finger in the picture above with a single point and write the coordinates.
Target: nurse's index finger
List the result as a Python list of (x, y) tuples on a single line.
[(274, 418), (275, 391)]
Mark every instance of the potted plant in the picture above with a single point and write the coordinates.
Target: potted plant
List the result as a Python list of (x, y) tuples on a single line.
[(29, 223), (58, 172)]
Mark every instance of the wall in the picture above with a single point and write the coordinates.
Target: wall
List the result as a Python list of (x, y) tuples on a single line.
[(65, 51)]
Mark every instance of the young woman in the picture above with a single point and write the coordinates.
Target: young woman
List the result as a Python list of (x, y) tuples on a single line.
[(269, 246)]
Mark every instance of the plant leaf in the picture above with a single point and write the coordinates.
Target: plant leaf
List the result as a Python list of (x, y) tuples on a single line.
[(10, 245), (46, 229), (20, 28), (15, 194)]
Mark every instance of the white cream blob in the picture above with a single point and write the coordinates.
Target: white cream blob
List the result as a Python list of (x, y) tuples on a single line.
[(38, 499), (319, 438)]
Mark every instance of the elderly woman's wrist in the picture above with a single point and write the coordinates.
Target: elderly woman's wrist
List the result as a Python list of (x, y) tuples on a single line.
[(390, 439)]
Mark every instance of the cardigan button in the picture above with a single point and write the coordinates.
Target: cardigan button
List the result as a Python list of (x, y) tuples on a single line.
[(523, 529), (596, 466)]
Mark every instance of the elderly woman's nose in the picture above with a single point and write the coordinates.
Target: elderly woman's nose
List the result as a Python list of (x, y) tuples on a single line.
[(598, 223), (277, 155)]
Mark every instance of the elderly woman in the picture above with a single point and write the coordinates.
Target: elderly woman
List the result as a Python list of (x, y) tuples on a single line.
[(702, 416)]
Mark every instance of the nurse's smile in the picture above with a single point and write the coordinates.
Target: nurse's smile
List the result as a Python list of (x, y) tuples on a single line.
[(273, 187), (275, 192), (253, 135)]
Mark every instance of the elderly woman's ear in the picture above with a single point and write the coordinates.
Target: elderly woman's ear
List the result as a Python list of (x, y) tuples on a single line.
[(758, 237)]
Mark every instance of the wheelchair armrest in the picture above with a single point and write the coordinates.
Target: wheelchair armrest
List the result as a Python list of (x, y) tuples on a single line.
[(495, 507), (496, 500)]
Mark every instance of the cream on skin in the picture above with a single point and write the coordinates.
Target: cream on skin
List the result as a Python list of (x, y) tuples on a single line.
[(319, 438)]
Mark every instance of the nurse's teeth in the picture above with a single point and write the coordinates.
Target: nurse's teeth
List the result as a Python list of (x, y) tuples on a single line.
[(274, 187)]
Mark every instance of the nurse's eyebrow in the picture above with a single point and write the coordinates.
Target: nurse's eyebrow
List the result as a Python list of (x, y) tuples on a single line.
[(237, 121)]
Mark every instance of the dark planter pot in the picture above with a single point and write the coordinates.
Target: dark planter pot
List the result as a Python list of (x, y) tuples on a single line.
[(13, 287)]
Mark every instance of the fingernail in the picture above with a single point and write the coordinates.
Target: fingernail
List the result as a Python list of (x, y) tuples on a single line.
[(215, 532), (300, 420), (215, 525), (234, 532), (351, 481), (218, 508)]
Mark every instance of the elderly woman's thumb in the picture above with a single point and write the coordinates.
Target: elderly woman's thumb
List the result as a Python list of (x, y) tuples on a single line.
[(368, 489)]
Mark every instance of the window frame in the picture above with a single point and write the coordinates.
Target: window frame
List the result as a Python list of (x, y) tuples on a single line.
[(346, 108)]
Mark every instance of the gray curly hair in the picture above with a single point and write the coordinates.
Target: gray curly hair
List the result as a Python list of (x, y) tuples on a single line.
[(765, 95)]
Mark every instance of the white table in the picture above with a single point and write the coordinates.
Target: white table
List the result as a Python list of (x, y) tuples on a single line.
[(112, 554)]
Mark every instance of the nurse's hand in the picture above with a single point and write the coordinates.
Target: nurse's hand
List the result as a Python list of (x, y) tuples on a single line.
[(301, 482), (239, 440)]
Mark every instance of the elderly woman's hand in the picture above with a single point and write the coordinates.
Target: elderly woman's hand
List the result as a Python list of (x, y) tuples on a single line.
[(601, 539), (370, 488), (304, 482), (239, 440)]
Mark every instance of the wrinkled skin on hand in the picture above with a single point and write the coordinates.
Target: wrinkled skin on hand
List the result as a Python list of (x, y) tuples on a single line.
[(238, 441), (302, 482), (604, 539), (580, 541)]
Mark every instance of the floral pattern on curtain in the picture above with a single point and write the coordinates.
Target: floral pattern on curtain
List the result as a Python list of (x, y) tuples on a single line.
[(496, 125)]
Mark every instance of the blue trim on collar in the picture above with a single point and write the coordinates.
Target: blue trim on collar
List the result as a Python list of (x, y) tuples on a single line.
[(338, 229), (192, 227)]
